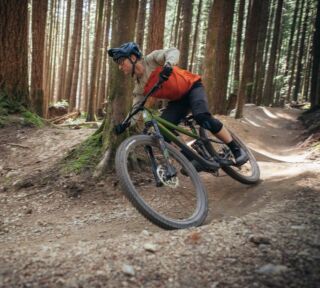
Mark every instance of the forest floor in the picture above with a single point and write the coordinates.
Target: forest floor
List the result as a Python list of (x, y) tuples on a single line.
[(71, 231)]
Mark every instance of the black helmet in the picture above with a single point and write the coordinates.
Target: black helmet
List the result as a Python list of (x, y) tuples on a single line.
[(124, 51)]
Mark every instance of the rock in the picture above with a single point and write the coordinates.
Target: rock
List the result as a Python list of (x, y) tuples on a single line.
[(259, 239), (128, 270), (150, 247), (22, 183), (12, 174), (145, 233), (272, 269), (29, 211), (298, 227), (42, 223)]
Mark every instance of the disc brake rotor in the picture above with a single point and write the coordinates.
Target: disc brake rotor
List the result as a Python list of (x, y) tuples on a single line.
[(173, 182)]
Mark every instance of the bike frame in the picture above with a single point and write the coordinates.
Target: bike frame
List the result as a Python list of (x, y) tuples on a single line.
[(166, 129)]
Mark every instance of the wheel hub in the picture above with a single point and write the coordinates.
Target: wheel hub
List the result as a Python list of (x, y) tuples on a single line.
[(172, 182)]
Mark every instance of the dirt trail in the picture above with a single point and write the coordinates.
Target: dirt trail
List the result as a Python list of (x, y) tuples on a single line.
[(71, 232)]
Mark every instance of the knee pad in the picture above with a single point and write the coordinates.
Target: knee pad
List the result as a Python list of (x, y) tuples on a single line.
[(206, 121)]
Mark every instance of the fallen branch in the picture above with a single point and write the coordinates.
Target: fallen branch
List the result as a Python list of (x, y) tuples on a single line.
[(18, 145), (65, 117), (94, 124)]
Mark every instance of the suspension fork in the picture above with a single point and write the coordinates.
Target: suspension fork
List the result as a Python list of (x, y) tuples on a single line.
[(170, 171)]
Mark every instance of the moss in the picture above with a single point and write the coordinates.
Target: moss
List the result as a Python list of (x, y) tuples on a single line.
[(9, 105), (85, 156), (2, 121), (31, 119)]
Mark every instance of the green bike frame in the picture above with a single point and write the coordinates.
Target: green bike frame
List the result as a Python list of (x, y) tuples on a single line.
[(166, 127)]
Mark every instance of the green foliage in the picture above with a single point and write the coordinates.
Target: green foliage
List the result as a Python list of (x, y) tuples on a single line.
[(9, 105), (31, 119), (85, 156)]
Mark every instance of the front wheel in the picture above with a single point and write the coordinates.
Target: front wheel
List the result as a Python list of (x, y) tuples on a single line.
[(248, 173), (173, 202)]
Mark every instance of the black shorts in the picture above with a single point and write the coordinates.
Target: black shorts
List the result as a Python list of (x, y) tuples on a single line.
[(194, 101)]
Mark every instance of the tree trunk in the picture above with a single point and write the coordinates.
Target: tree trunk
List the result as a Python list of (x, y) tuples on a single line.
[(236, 77), (268, 88), (63, 68), (72, 53), (295, 51), (14, 49), (176, 30), (85, 90), (260, 64), (141, 23), (75, 76), (187, 6), (39, 13), (95, 61), (300, 56), (250, 45), (120, 87), (217, 55), (156, 25), (195, 38), (102, 86), (315, 76), (293, 29)]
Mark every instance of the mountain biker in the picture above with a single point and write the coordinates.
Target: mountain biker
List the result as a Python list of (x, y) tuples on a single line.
[(183, 89)]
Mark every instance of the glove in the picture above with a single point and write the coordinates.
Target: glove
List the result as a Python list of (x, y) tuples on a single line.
[(166, 72), (120, 128)]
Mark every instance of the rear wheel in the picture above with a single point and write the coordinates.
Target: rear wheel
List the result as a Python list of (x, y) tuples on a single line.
[(172, 203), (248, 173)]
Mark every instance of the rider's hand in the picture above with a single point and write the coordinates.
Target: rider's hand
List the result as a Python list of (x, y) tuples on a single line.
[(120, 128), (166, 72)]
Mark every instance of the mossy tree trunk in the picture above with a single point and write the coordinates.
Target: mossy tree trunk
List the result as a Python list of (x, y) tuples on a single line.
[(120, 86), (14, 49)]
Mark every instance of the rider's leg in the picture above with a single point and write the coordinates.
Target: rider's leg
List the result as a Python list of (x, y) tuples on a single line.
[(175, 111), (200, 111)]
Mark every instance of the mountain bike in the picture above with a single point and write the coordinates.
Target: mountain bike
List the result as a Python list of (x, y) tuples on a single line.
[(157, 176)]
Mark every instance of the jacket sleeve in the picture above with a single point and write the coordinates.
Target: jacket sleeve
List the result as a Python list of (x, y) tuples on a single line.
[(161, 57)]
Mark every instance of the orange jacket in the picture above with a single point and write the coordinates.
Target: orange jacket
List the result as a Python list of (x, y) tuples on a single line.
[(178, 84)]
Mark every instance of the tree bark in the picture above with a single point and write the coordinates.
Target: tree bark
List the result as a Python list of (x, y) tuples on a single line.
[(72, 54), (85, 90), (75, 76), (315, 76), (268, 88), (295, 51), (63, 68), (156, 25), (217, 60), (102, 89), (195, 38), (250, 45), (141, 23), (120, 87), (95, 60), (293, 29), (236, 77), (260, 64), (14, 49), (187, 6), (39, 13), (300, 56), (177, 25)]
